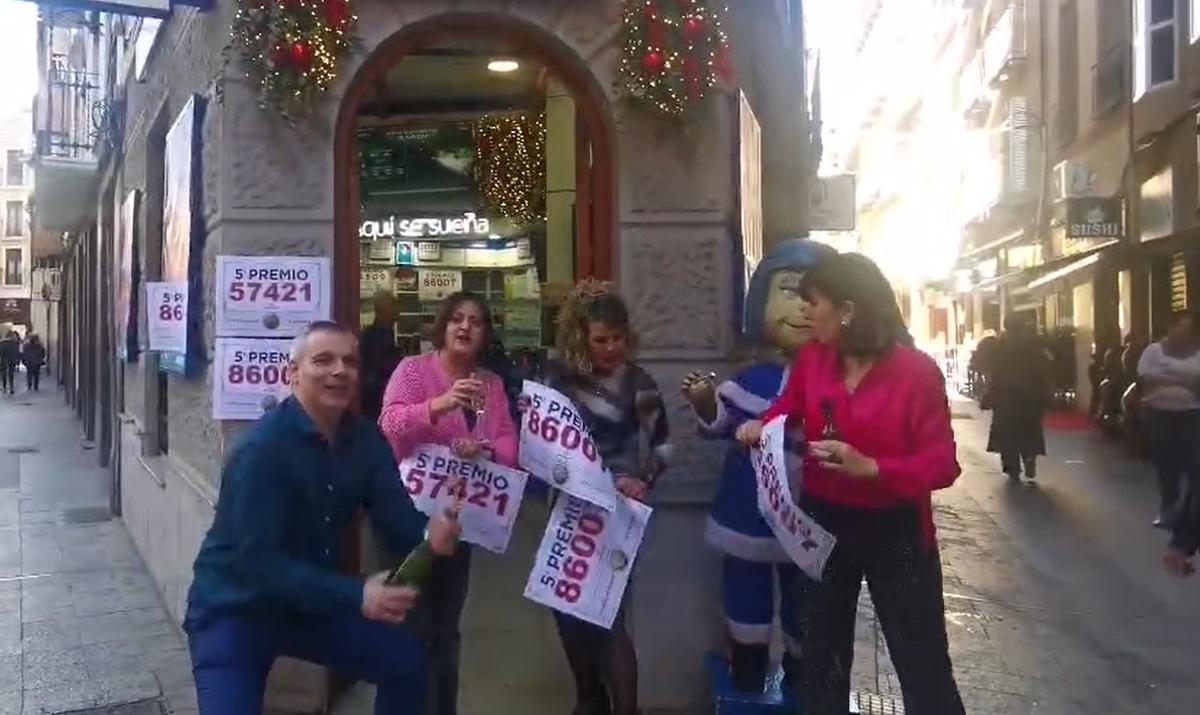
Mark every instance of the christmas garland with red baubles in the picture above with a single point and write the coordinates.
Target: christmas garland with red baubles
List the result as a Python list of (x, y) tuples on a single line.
[(293, 48), (675, 52)]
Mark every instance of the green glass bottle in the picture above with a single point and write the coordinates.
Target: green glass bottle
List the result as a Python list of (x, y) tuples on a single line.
[(416, 569)]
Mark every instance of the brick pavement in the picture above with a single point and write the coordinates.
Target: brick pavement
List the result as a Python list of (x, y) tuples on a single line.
[(81, 625)]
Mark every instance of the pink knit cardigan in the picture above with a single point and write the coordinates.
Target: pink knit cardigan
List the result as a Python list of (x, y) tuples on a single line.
[(406, 421)]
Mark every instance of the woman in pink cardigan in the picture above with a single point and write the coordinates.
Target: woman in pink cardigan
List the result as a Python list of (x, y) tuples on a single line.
[(446, 398)]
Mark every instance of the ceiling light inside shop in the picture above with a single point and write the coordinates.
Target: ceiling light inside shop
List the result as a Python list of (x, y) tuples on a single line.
[(503, 66)]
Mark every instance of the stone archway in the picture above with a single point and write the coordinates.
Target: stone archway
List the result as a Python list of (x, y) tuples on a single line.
[(536, 34)]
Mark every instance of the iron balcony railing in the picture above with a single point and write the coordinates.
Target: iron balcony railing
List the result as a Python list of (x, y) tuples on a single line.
[(74, 114)]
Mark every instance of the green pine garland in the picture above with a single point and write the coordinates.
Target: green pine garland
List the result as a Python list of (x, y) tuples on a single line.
[(293, 48), (675, 51)]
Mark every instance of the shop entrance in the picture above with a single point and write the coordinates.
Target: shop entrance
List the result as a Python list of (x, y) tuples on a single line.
[(471, 155)]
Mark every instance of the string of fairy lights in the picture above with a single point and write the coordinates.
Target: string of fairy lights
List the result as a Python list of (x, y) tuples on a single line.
[(510, 165), (675, 51), (292, 48)]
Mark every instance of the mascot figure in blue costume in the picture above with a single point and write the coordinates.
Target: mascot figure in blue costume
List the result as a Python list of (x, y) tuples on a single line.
[(776, 323)]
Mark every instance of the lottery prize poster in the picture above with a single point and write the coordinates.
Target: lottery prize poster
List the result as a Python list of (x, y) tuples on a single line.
[(491, 494), (557, 449), (802, 538), (586, 557), (250, 377), (167, 317), (271, 296)]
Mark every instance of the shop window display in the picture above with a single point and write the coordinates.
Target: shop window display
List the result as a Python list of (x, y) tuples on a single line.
[(468, 182)]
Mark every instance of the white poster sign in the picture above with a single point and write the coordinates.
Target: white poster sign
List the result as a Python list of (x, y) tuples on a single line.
[(372, 280), (557, 448), (802, 538), (271, 296), (250, 376), (436, 285), (831, 203), (167, 319), (491, 493), (586, 557)]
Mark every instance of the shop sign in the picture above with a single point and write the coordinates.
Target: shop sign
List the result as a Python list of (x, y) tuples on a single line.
[(14, 310), (1157, 206), (1090, 218), (469, 224), (271, 296), (250, 376), (436, 285), (429, 251), (831, 203)]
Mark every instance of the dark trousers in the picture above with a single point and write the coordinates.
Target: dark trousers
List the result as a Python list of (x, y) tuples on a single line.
[(231, 657), (1175, 445), (905, 580), (603, 665), (436, 620), (33, 377), (1011, 463), (8, 376)]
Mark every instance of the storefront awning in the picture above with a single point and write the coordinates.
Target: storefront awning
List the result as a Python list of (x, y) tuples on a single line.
[(984, 250), (1066, 266)]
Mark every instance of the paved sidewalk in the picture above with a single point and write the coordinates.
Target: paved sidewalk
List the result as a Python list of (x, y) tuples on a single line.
[(81, 625)]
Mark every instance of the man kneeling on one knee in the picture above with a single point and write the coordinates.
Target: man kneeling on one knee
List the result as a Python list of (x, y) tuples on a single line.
[(266, 580)]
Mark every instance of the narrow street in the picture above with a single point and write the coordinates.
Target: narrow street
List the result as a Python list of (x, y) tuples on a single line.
[(1056, 602)]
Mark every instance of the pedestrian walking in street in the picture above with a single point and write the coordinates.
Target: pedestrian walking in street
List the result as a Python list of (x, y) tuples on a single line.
[(625, 414), (266, 579), (10, 357), (1169, 371), (445, 397), (33, 356), (875, 412), (1018, 397)]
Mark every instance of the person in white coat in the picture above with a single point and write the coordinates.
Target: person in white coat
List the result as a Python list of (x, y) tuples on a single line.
[(1169, 371)]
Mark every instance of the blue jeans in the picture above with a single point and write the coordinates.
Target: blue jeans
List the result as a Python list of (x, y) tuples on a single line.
[(232, 655)]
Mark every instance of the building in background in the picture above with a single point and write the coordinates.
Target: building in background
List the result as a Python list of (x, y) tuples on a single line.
[(676, 213), (16, 186)]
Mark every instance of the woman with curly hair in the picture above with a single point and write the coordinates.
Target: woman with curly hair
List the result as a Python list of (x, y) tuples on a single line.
[(624, 411)]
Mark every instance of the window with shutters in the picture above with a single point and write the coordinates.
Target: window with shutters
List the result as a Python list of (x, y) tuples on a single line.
[(1178, 282)]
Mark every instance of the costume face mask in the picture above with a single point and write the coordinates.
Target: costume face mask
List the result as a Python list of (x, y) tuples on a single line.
[(786, 322)]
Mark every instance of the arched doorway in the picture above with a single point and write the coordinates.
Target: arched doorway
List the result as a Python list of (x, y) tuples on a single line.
[(472, 151)]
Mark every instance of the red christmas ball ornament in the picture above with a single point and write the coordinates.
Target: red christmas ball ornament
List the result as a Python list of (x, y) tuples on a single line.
[(693, 28), (656, 34), (301, 55), (337, 13), (654, 63)]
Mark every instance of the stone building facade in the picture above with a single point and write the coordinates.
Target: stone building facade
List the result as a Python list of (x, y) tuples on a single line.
[(668, 207)]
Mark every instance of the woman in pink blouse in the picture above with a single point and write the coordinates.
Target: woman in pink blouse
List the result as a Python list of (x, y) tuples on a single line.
[(446, 398)]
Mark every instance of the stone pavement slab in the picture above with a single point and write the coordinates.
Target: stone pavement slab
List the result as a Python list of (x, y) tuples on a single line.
[(82, 628)]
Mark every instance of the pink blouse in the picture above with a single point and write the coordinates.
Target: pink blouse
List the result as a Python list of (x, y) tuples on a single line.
[(406, 420)]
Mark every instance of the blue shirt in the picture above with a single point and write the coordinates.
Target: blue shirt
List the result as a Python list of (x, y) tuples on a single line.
[(287, 496)]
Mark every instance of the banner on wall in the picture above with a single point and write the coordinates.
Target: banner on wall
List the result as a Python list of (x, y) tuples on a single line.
[(126, 302), (167, 316), (182, 247)]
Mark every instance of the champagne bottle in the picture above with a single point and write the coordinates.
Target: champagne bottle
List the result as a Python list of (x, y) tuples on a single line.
[(416, 569)]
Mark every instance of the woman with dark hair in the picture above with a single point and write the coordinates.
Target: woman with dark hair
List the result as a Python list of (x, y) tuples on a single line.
[(875, 413), (624, 412), (446, 397)]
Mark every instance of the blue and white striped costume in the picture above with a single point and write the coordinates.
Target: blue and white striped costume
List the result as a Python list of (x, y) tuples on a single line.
[(753, 557)]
